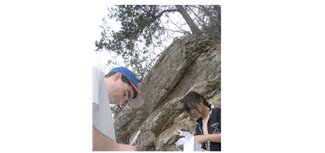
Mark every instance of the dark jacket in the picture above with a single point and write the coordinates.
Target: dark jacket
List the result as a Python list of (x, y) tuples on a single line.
[(214, 127)]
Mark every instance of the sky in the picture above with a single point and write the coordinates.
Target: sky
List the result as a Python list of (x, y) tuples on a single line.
[(272, 74)]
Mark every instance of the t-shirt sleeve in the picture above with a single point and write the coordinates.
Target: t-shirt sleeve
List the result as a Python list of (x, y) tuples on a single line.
[(102, 115), (95, 86)]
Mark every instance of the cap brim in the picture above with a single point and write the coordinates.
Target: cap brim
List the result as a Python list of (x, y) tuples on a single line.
[(138, 101)]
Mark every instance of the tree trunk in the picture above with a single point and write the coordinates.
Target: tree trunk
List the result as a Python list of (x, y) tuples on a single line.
[(189, 21)]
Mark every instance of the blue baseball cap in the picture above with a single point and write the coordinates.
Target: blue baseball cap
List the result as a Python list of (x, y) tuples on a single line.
[(138, 101)]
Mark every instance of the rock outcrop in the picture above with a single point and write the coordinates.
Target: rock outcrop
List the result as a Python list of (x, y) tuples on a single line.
[(190, 63)]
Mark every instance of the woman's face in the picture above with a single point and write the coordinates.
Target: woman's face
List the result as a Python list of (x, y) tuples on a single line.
[(196, 113)]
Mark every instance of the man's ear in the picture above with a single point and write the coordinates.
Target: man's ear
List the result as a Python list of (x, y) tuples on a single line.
[(117, 76)]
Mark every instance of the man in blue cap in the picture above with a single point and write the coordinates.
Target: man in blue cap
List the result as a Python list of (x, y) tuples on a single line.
[(119, 86)]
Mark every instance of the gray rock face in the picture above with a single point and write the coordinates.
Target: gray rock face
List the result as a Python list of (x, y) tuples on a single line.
[(190, 63)]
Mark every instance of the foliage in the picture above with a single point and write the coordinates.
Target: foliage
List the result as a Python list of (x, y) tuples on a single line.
[(207, 18), (144, 28)]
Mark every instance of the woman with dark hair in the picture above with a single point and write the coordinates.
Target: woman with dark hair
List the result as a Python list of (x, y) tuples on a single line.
[(208, 128)]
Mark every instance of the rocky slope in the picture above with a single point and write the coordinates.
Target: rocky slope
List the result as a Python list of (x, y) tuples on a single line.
[(189, 63)]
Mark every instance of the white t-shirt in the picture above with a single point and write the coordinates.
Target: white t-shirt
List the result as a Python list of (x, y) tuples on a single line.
[(102, 114)]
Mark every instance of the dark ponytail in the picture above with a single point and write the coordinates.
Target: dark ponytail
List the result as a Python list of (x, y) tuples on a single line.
[(206, 103)]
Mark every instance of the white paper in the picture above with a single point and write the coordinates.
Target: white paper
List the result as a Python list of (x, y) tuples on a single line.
[(188, 143)]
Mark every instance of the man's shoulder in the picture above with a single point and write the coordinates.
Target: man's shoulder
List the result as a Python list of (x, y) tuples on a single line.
[(96, 70), (98, 74)]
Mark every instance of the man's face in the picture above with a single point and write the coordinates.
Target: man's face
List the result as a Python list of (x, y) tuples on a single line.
[(118, 91)]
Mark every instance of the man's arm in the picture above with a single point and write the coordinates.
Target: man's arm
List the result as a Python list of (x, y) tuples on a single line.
[(103, 143), (208, 137)]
